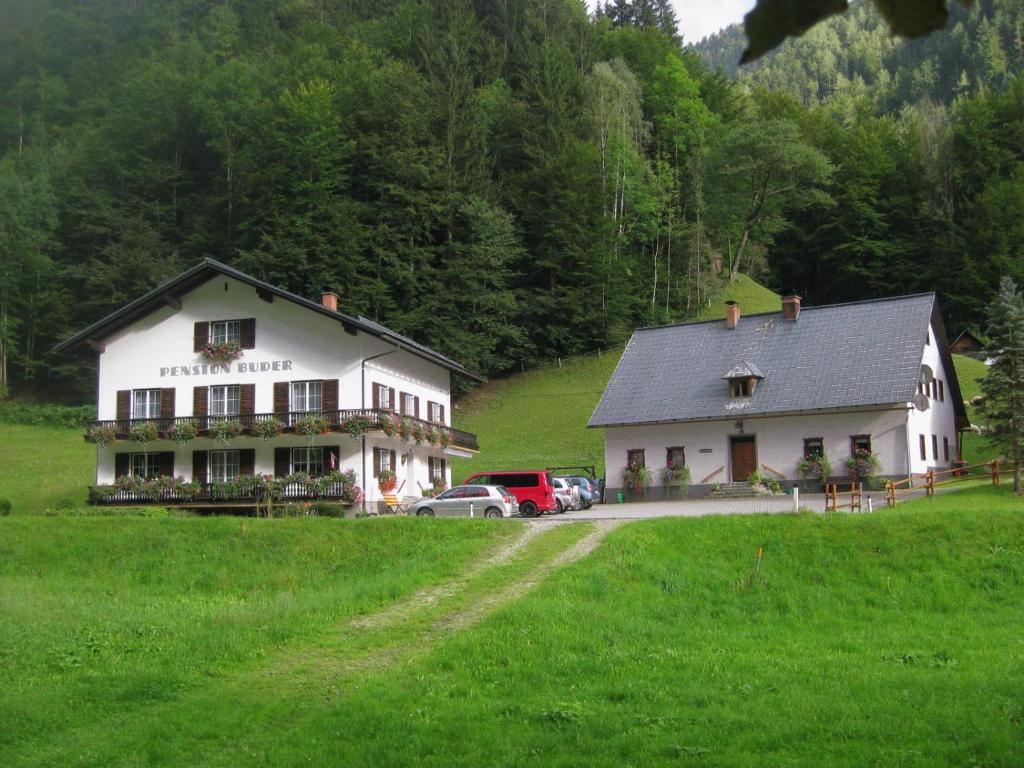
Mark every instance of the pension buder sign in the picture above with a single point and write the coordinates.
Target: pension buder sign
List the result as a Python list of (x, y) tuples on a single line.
[(215, 369)]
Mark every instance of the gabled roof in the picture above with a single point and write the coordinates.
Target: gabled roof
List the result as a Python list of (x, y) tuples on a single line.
[(743, 370), (841, 356), (171, 292)]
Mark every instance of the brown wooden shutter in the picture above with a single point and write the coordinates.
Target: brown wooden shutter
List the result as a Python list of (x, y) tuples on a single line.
[(247, 333), (122, 464), (376, 462), (200, 336), (391, 399), (280, 397), (165, 464), (442, 414), (199, 463), (247, 399), (200, 401), (416, 406), (376, 396), (282, 461), (167, 402), (444, 469), (124, 404), (400, 407), (247, 461), (329, 390)]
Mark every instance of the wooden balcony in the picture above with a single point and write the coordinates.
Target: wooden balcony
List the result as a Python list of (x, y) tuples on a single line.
[(337, 422)]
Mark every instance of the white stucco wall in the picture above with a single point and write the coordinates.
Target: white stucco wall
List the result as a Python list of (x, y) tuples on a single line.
[(779, 443), (938, 420), (146, 354)]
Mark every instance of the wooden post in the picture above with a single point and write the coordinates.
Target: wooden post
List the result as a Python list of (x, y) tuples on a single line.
[(995, 471), (890, 493), (930, 482)]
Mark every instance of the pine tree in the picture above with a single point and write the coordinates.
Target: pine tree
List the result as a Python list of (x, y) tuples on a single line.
[(668, 22), (1003, 385)]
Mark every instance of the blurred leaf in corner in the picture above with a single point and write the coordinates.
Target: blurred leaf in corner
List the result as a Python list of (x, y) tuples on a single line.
[(772, 21)]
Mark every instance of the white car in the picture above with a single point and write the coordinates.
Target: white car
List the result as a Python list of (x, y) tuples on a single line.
[(567, 496)]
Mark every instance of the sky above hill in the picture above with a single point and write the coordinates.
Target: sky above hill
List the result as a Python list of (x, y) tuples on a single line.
[(700, 18)]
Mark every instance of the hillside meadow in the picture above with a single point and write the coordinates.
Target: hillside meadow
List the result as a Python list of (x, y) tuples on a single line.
[(887, 639)]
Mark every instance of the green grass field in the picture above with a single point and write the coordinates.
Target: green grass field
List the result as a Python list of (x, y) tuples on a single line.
[(969, 372), (888, 639)]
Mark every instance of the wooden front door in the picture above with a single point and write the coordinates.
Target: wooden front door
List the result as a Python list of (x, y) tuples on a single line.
[(744, 458)]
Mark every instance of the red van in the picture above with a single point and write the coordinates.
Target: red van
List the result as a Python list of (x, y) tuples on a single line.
[(532, 488)]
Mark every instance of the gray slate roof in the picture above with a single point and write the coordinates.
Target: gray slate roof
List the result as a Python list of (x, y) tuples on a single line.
[(743, 370), (839, 356)]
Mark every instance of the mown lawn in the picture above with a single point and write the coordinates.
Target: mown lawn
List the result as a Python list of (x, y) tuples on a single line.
[(102, 618), (44, 469), (887, 639), (890, 639)]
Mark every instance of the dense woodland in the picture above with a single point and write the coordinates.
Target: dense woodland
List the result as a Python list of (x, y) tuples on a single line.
[(504, 180)]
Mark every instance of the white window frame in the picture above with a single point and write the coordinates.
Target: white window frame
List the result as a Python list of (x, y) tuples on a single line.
[(304, 393), (302, 460), (150, 465), (383, 397), (435, 412), (226, 332), (225, 400), (387, 459), (148, 402), (223, 466), (408, 404), (436, 469)]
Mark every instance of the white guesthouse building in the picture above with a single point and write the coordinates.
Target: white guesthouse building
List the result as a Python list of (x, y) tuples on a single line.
[(353, 384), (730, 397)]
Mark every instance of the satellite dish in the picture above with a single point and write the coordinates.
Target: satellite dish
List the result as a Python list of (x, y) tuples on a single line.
[(926, 376), (921, 402)]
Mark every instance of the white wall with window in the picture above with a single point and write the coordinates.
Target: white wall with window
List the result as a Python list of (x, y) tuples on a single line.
[(939, 420), (224, 400), (145, 404)]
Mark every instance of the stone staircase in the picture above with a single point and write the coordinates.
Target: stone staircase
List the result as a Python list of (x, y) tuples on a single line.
[(735, 491)]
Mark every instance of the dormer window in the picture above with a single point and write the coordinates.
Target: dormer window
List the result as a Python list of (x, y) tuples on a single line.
[(743, 379)]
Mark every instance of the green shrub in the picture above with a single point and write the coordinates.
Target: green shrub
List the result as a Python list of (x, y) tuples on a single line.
[(5, 507), (47, 415)]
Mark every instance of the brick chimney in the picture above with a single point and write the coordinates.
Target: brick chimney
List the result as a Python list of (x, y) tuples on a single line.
[(330, 300), (790, 306), (732, 314)]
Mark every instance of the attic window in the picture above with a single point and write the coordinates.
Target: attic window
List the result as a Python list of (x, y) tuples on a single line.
[(743, 378), (742, 387)]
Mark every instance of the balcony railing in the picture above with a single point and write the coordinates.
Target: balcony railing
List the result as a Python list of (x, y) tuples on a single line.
[(337, 421), (213, 493)]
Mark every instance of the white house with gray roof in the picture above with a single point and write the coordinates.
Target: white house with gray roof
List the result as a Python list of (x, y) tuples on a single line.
[(758, 393)]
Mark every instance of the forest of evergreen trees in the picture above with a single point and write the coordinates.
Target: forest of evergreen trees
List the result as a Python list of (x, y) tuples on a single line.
[(504, 180)]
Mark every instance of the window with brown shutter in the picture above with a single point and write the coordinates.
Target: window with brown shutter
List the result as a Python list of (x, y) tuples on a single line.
[(442, 414), (122, 464), (247, 399), (376, 462), (416, 406), (329, 396), (167, 403), (280, 397), (923, 446), (282, 461), (200, 336), (391, 399), (200, 401), (635, 458), (942, 392), (247, 333), (945, 449), (860, 443), (675, 456), (247, 461), (199, 465), (124, 404), (935, 447)]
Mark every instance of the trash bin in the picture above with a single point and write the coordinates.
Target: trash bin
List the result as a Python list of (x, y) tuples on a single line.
[(620, 497)]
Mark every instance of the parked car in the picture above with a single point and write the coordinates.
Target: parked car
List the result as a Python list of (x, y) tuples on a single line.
[(531, 487), (567, 496), (486, 501), (588, 490)]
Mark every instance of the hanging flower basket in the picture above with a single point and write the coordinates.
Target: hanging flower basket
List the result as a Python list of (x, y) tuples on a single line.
[(267, 430), (184, 431), (386, 481), (405, 429), (390, 425), (433, 435), (417, 433), (101, 435), (226, 352), (225, 430), (356, 426), (143, 433), (311, 426)]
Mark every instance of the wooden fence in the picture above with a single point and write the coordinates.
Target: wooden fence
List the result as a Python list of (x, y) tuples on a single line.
[(833, 496), (932, 479)]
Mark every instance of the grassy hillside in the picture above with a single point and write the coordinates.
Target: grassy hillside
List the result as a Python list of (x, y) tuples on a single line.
[(884, 639), (969, 372), (538, 419), (45, 468)]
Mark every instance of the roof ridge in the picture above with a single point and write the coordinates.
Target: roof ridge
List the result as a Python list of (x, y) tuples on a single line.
[(779, 311)]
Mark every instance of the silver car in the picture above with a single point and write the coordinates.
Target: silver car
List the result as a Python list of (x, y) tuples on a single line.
[(567, 496), (469, 500)]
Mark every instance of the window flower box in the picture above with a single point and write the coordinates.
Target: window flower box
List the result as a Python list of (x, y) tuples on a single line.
[(143, 433), (224, 352), (184, 431), (311, 425), (225, 430), (267, 429), (101, 435)]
